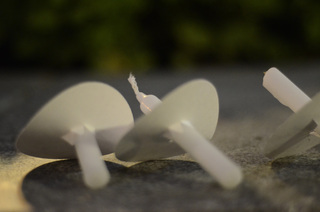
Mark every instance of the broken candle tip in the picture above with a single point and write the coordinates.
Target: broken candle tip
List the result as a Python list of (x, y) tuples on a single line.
[(147, 102), (133, 82)]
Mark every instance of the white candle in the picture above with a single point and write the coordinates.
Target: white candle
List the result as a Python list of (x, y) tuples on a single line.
[(284, 90), (74, 117), (290, 137), (147, 102), (211, 159)]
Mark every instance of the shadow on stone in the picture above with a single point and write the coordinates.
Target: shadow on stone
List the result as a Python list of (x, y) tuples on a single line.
[(59, 186), (7, 149), (301, 172), (163, 185)]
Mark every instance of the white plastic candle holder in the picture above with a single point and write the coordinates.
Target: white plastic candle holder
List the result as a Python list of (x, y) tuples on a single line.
[(75, 124), (183, 122), (293, 136)]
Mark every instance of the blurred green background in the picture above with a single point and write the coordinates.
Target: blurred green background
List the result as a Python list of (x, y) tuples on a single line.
[(116, 36)]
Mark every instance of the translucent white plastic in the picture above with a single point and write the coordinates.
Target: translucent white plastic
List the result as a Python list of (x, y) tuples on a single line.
[(147, 102), (284, 90), (84, 121), (293, 136), (95, 173), (210, 158), (183, 133)]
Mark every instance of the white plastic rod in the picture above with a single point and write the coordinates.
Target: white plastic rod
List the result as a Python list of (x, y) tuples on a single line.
[(95, 172), (211, 159), (284, 90)]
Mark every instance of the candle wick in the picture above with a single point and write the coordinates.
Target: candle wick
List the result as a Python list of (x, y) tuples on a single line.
[(133, 82)]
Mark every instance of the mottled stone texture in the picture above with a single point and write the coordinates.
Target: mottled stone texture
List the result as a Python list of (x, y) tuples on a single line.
[(249, 114)]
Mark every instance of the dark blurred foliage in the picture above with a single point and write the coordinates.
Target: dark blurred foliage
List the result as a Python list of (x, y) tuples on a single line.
[(139, 34)]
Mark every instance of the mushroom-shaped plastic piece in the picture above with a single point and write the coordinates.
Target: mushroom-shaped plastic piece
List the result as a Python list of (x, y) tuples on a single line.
[(75, 124), (293, 136), (183, 122)]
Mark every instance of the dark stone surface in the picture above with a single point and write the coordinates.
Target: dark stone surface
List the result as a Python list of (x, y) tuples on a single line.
[(301, 172), (248, 116), (150, 186)]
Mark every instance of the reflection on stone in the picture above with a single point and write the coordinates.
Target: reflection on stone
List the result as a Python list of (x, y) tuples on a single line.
[(12, 171)]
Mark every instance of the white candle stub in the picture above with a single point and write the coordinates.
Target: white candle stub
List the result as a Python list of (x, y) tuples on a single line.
[(74, 124), (284, 90), (179, 118), (293, 136)]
